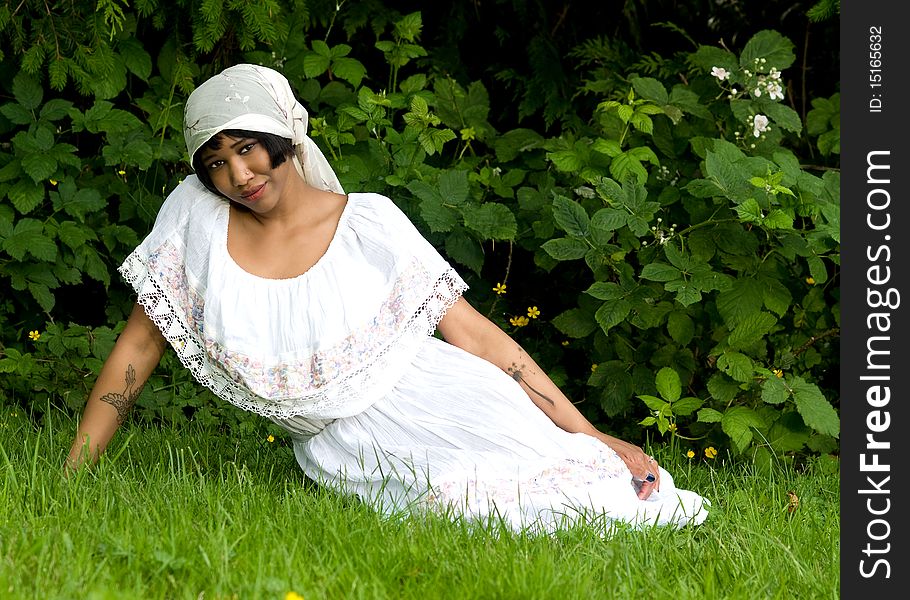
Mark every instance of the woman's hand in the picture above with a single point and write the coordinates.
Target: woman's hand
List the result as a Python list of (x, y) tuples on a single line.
[(644, 469)]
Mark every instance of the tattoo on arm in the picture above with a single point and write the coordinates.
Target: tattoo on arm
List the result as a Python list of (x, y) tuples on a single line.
[(515, 372), (124, 402)]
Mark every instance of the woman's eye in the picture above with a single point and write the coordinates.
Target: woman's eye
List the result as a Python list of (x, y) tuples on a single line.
[(214, 165), (247, 148)]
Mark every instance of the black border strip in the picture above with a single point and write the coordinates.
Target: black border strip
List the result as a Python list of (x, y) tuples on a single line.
[(875, 370)]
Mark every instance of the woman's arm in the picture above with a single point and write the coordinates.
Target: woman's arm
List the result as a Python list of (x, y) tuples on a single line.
[(466, 328), (135, 355)]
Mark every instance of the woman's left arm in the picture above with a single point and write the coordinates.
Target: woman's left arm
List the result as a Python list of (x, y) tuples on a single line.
[(466, 328)]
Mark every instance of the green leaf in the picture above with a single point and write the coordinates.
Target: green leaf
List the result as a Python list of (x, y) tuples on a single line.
[(492, 221), (609, 147), (737, 423), (774, 391), (783, 115), (707, 57), (605, 290), (135, 58), (680, 327), (776, 296), (94, 266), (453, 186), (817, 269), (709, 415), (722, 388), (612, 313), (55, 109), (736, 365), (788, 433), (42, 295), (749, 211), (611, 191), (814, 408), (653, 403), (350, 70), (776, 49), (566, 248), (650, 89), (466, 250), (686, 406), (27, 91), (439, 218), (703, 188), (516, 141), (609, 219), (778, 219), (742, 299), (626, 165), (28, 236), (570, 216), (39, 166), (567, 160), (687, 294), (575, 323), (17, 114), (658, 271), (727, 177), (26, 195), (617, 388), (751, 329), (668, 384)]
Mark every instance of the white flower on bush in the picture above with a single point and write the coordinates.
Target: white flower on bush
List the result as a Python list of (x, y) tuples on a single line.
[(775, 91), (759, 125), (720, 73)]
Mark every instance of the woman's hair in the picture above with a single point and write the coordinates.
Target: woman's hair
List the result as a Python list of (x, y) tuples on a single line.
[(279, 149)]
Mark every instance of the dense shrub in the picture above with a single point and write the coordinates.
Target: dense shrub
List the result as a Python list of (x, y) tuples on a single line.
[(670, 256)]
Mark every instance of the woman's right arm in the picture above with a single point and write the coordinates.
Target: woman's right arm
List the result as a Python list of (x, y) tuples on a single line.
[(138, 351)]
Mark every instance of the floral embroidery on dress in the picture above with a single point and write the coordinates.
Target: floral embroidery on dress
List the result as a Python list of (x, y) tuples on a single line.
[(478, 493), (320, 385)]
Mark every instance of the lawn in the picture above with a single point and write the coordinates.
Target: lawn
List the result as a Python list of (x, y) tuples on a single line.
[(190, 512)]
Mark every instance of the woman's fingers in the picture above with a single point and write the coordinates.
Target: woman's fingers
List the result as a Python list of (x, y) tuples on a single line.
[(648, 479)]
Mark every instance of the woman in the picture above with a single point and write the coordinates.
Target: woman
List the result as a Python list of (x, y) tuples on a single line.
[(317, 310)]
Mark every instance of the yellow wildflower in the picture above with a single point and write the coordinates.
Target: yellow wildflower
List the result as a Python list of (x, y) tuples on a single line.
[(519, 321), (690, 454), (500, 288), (53, 181), (593, 367), (672, 427), (565, 342), (121, 172), (34, 335), (533, 312), (810, 280), (710, 452), (271, 438), (293, 596), (778, 372)]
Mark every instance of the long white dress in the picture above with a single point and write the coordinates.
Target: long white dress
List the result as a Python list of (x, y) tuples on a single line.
[(344, 358)]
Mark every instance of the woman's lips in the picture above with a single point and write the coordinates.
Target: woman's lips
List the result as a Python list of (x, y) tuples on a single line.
[(254, 194)]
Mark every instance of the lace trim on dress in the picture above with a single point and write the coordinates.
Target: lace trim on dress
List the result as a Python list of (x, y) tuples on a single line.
[(338, 381)]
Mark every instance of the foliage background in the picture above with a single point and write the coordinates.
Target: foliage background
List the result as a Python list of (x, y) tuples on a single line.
[(685, 271)]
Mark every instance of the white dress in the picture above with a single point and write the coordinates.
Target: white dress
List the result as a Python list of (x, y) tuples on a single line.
[(344, 358)]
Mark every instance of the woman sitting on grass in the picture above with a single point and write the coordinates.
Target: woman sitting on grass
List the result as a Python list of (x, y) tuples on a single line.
[(317, 310)]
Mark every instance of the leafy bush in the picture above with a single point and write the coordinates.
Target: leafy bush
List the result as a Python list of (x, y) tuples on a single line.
[(670, 260)]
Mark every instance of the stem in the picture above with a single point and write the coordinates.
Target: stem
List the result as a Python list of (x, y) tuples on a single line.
[(505, 278)]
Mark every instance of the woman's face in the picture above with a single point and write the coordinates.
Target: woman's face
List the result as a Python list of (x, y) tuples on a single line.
[(241, 169)]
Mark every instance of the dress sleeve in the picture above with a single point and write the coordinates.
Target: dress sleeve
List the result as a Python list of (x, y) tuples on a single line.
[(415, 251)]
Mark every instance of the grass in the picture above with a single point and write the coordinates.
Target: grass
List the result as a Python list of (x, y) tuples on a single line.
[(192, 513)]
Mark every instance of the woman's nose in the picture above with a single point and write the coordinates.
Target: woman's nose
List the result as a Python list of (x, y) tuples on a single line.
[(240, 173)]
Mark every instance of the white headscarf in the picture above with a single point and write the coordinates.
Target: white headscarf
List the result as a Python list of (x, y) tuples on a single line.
[(258, 99)]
